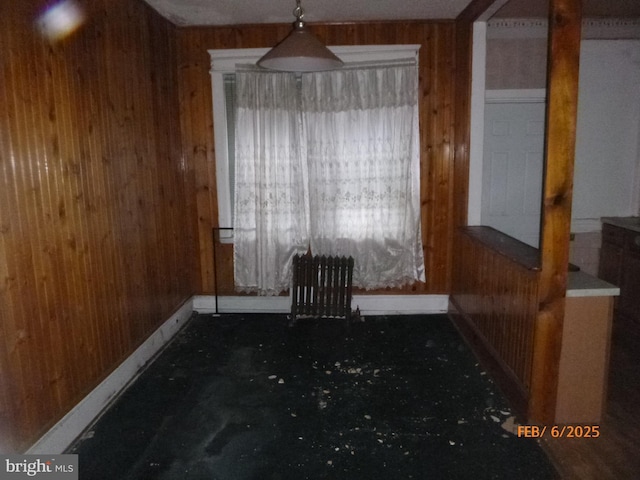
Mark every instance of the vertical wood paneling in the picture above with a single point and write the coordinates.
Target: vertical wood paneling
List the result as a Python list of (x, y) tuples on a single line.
[(498, 296), (97, 226), (196, 118), (530, 346), (463, 49), (437, 117)]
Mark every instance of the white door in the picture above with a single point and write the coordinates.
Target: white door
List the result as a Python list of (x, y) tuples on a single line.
[(512, 169)]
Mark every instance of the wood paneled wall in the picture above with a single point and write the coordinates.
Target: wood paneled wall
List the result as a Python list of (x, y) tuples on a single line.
[(462, 126), (492, 297), (437, 116), (97, 229), (496, 304), (512, 315)]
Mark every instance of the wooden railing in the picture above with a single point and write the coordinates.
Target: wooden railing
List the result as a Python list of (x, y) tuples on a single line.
[(495, 304)]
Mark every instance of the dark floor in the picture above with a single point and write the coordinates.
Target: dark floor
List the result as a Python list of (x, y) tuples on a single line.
[(247, 397)]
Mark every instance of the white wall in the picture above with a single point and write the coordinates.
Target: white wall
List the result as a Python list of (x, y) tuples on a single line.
[(606, 181), (607, 157), (512, 56)]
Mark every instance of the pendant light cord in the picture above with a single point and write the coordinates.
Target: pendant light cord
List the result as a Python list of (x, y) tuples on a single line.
[(298, 12)]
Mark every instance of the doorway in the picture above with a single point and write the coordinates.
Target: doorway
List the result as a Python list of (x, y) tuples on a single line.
[(512, 167)]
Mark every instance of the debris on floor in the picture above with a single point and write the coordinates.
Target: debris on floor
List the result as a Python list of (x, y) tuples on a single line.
[(248, 397)]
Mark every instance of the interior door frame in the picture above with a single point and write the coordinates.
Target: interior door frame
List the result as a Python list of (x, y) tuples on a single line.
[(512, 97), (534, 95)]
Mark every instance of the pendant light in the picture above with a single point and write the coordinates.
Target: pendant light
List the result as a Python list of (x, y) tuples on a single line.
[(300, 51)]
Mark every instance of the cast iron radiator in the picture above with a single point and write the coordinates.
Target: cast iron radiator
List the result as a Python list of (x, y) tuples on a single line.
[(321, 287)]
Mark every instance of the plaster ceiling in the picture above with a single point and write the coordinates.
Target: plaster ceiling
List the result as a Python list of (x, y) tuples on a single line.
[(238, 12), (590, 8)]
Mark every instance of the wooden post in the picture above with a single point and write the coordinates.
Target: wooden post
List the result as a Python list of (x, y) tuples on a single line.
[(565, 17)]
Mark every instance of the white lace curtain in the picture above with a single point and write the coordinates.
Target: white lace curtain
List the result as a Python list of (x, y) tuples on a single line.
[(347, 147), (362, 147), (270, 205)]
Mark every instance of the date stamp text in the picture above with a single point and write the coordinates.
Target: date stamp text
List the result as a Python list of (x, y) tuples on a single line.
[(559, 431)]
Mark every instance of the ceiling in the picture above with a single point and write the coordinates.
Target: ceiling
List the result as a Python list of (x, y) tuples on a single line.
[(591, 9), (234, 12), (238, 12)]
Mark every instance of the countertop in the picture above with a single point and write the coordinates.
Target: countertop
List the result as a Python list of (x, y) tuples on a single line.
[(581, 284), (630, 223)]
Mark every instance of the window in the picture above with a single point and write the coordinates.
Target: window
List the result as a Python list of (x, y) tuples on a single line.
[(334, 167), (223, 66)]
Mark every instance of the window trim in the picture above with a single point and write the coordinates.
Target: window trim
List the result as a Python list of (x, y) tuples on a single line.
[(225, 60)]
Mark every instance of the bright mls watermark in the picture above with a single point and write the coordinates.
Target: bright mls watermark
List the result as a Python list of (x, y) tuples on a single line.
[(50, 467)]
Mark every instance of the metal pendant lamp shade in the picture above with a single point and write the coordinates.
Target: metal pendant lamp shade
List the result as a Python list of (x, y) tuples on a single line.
[(300, 51)]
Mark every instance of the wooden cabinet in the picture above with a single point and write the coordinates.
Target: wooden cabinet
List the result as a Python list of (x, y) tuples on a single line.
[(620, 265), (611, 254)]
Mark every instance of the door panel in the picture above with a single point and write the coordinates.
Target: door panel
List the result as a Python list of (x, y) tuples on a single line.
[(512, 169)]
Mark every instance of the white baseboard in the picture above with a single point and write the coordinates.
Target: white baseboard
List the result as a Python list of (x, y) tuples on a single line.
[(240, 304), (368, 304), (63, 433), (400, 304)]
